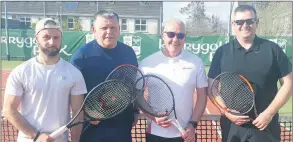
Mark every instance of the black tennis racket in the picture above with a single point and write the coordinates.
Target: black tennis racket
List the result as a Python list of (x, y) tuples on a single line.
[(104, 101), (234, 92), (157, 99), (129, 74)]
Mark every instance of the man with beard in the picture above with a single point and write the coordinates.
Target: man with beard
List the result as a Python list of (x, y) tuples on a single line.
[(45, 86)]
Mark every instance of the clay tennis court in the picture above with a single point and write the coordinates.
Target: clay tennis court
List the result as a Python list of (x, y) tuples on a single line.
[(208, 129)]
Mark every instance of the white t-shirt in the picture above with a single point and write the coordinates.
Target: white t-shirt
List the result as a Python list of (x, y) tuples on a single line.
[(183, 74), (45, 92)]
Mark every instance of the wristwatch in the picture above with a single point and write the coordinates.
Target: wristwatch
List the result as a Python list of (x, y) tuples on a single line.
[(193, 123)]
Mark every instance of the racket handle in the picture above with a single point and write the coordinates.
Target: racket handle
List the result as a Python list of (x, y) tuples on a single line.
[(180, 128), (58, 132)]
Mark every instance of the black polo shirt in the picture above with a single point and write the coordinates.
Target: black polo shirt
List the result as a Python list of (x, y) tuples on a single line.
[(263, 64)]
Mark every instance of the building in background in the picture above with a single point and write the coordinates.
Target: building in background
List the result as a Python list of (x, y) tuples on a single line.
[(135, 16)]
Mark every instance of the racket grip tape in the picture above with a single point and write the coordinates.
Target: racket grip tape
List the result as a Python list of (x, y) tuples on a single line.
[(180, 128), (58, 132)]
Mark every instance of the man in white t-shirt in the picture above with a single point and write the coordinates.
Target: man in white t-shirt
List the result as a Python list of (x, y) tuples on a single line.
[(185, 74), (45, 86)]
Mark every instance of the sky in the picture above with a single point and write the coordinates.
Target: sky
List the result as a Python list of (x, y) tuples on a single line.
[(171, 10)]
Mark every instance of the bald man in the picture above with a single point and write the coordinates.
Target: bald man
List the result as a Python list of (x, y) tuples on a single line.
[(185, 74)]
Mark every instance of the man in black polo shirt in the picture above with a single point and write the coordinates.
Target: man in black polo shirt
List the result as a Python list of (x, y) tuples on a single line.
[(263, 63)]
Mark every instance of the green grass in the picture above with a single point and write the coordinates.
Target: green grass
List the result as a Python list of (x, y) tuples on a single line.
[(9, 65), (285, 110)]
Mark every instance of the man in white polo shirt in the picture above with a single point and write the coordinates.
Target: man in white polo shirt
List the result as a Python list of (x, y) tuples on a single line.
[(45, 86), (185, 74)]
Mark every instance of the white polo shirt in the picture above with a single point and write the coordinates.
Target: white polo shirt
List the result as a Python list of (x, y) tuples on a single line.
[(183, 74), (45, 94)]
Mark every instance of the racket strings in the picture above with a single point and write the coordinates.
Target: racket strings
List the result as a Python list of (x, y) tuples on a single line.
[(157, 98), (127, 74), (235, 93), (107, 100)]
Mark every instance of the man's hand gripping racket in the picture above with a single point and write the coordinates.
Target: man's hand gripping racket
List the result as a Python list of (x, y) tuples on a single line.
[(233, 93), (157, 99)]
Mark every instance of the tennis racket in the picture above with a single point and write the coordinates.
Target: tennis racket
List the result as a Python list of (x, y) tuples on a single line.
[(157, 99), (234, 92), (129, 74), (104, 101)]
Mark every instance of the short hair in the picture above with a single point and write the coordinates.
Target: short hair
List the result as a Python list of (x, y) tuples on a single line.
[(106, 14), (242, 8), (173, 21)]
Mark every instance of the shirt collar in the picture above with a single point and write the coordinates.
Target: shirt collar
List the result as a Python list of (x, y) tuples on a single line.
[(174, 58), (254, 46)]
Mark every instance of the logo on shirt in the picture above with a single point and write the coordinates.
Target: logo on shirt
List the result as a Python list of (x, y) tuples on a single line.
[(63, 77), (187, 68)]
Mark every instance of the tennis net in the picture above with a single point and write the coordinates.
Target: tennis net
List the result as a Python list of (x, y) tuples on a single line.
[(209, 130)]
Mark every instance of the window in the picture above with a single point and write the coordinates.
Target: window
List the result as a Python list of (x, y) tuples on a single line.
[(123, 24), (14, 17), (140, 25), (70, 24), (25, 20)]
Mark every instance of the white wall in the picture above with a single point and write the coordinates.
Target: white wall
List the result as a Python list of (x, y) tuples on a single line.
[(8, 16), (130, 25), (152, 26), (35, 19), (85, 23)]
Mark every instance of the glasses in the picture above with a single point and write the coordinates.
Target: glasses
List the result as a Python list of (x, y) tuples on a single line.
[(173, 34), (247, 21)]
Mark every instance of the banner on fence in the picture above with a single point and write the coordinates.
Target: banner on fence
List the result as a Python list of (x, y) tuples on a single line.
[(22, 44)]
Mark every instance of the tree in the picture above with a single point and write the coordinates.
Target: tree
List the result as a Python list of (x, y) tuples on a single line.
[(197, 20), (217, 27), (198, 23), (275, 18)]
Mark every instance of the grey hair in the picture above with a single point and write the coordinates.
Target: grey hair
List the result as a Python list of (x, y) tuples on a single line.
[(174, 21), (106, 14)]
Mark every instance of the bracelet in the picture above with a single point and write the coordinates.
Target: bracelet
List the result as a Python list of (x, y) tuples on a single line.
[(36, 137), (193, 123)]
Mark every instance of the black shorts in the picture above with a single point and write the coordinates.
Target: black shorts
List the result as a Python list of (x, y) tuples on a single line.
[(248, 133)]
